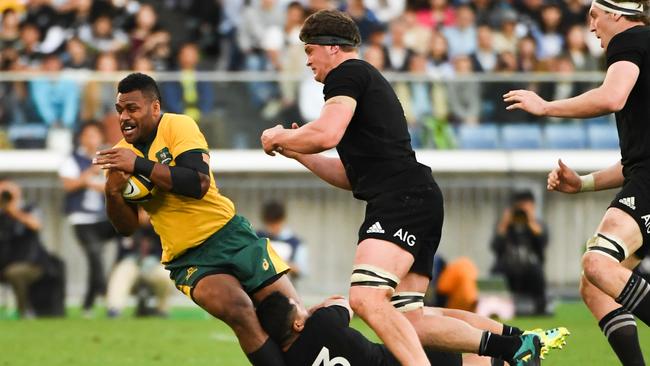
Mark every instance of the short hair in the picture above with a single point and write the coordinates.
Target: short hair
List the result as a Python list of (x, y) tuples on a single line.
[(139, 81), (523, 195), (276, 315), (273, 211), (331, 23)]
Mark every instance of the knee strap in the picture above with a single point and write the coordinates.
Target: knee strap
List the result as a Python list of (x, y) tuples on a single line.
[(407, 301), (609, 246), (371, 276)]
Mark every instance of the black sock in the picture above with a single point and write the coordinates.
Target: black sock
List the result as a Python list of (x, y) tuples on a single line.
[(498, 346), (267, 355), (620, 330), (635, 297), (509, 330)]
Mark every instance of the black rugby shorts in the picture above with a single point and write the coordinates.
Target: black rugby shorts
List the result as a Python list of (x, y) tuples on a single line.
[(411, 219), (634, 199)]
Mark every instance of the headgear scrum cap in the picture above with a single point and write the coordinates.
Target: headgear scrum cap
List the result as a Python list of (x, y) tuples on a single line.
[(330, 28), (622, 8)]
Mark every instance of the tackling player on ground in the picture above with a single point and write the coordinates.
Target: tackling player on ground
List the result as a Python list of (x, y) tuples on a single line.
[(609, 288), (213, 255), (364, 120), (323, 333)]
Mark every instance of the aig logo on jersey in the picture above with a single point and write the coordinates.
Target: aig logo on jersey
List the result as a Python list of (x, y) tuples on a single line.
[(323, 359), (646, 220), (405, 237)]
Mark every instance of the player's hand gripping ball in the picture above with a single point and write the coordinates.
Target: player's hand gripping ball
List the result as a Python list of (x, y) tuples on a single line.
[(138, 189)]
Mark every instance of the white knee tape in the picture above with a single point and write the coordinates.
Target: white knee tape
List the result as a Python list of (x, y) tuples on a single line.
[(407, 301), (609, 246), (371, 276)]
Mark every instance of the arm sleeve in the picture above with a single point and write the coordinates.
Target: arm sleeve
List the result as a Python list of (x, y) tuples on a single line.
[(185, 175), (348, 79)]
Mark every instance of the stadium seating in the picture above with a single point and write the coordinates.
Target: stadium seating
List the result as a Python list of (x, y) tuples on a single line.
[(485, 136), (565, 136), (602, 136), (521, 136), (28, 135)]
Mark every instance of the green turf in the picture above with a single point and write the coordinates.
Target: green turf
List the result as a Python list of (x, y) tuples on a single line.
[(189, 338)]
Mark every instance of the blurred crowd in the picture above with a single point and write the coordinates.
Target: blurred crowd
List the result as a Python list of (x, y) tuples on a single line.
[(438, 39)]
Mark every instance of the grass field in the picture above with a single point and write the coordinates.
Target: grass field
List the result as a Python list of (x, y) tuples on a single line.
[(189, 338)]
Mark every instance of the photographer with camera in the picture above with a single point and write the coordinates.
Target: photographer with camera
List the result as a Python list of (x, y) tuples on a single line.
[(519, 244), (22, 257)]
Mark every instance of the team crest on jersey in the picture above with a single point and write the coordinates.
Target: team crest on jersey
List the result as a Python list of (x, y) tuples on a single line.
[(265, 264), (190, 272), (164, 156)]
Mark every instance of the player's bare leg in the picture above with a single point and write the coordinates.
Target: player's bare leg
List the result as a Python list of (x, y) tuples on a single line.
[(222, 296), (372, 303), (617, 324), (451, 334), (618, 238)]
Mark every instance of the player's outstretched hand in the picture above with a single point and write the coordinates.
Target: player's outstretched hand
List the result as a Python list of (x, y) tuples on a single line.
[(525, 100), (116, 158), (268, 140), (563, 179)]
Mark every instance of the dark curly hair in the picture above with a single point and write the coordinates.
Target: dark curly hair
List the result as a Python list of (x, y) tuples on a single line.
[(332, 23), (144, 83)]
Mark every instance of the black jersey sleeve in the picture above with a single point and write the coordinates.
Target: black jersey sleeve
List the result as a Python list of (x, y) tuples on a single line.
[(334, 314), (349, 79), (626, 46)]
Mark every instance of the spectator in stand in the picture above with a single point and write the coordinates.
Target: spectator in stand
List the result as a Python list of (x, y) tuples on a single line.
[(84, 205), (365, 19), (549, 35), (375, 56), (527, 60), (464, 96), (257, 20), (41, 14), (285, 243), (100, 36), (506, 38), (398, 55), (140, 36), (494, 108), (29, 47), (23, 259), (98, 99), (138, 268), (484, 59), (55, 96), (386, 11), (415, 97), (76, 55), (439, 14), (189, 95), (575, 12), (287, 54), (461, 37), (576, 49), (9, 30), (438, 65), (519, 244)]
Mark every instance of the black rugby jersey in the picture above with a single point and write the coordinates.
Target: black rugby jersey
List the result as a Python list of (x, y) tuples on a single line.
[(327, 337), (376, 147), (633, 121)]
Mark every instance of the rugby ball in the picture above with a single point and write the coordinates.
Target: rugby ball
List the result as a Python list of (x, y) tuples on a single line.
[(138, 189)]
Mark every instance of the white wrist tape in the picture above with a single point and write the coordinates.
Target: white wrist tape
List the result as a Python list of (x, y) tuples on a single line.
[(588, 183)]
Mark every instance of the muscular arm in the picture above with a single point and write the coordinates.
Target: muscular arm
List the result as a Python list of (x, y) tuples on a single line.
[(328, 169), (123, 215), (610, 97), (610, 177), (319, 135), (190, 177)]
